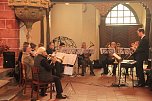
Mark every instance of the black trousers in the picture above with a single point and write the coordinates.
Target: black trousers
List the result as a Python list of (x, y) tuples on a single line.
[(107, 62), (58, 69), (58, 85), (85, 63), (140, 71)]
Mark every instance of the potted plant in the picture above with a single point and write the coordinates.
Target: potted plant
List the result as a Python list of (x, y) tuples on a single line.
[(3, 48)]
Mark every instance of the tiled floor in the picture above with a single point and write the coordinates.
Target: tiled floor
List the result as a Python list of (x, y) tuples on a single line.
[(97, 88)]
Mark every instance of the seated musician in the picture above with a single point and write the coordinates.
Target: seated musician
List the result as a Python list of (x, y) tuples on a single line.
[(51, 48), (40, 45), (84, 60), (45, 72), (134, 46), (109, 60), (27, 60), (21, 52), (58, 70), (62, 45), (33, 49)]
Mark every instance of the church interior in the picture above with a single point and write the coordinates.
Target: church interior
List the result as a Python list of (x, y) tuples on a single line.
[(102, 50)]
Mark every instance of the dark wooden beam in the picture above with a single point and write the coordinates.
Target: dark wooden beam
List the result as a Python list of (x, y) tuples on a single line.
[(89, 0), (42, 31), (47, 27)]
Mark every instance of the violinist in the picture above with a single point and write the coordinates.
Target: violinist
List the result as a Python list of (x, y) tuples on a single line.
[(84, 60), (33, 49), (109, 59), (27, 60)]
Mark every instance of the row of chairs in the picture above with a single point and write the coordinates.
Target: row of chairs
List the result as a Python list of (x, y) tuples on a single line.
[(35, 83)]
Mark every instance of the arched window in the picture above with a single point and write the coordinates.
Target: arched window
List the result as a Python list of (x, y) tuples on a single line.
[(121, 15)]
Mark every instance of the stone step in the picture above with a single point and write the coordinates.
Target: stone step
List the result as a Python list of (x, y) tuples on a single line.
[(11, 93), (5, 72), (11, 80), (3, 84)]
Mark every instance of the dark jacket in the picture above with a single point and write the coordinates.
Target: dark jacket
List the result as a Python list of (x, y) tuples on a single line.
[(50, 51), (142, 50), (45, 69)]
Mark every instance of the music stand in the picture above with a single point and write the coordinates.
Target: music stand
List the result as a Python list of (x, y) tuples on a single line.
[(124, 51), (121, 51), (68, 69), (107, 50)]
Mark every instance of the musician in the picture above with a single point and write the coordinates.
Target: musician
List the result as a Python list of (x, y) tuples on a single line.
[(45, 74), (21, 52), (33, 49), (59, 68), (84, 60), (61, 45), (109, 59), (51, 48), (141, 54), (27, 60), (134, 46), (40, 45)]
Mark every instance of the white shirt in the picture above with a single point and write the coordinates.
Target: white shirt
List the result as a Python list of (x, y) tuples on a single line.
[(142, 36)]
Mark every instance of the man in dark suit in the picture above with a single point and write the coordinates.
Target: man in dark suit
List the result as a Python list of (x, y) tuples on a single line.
[(141, 54), (45, 72), (51, 48), (59, 67)]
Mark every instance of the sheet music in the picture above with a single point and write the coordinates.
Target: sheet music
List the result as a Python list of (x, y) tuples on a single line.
[(90, 51), (69, 59), (124, 51), (68, 70), (77, 51), (59, 55), (107, 50)]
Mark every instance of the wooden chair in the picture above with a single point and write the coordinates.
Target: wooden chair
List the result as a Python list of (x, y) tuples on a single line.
[(37, 84), (23, 77)]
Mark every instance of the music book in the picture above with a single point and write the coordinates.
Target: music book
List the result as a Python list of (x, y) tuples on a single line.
[(107, 50), (69, 59), (68, 70)]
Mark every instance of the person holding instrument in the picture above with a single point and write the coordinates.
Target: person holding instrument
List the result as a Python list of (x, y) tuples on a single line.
[(109, 59), (141, 54), (84, 60), (45, 72), (27, 59), (59, 67)]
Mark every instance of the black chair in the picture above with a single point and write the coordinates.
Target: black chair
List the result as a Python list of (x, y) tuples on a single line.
[(37, 84)]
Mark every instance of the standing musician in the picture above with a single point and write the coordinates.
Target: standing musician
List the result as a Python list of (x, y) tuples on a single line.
[(58, 70), (84, 60), (109, 59), (141, 54)]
